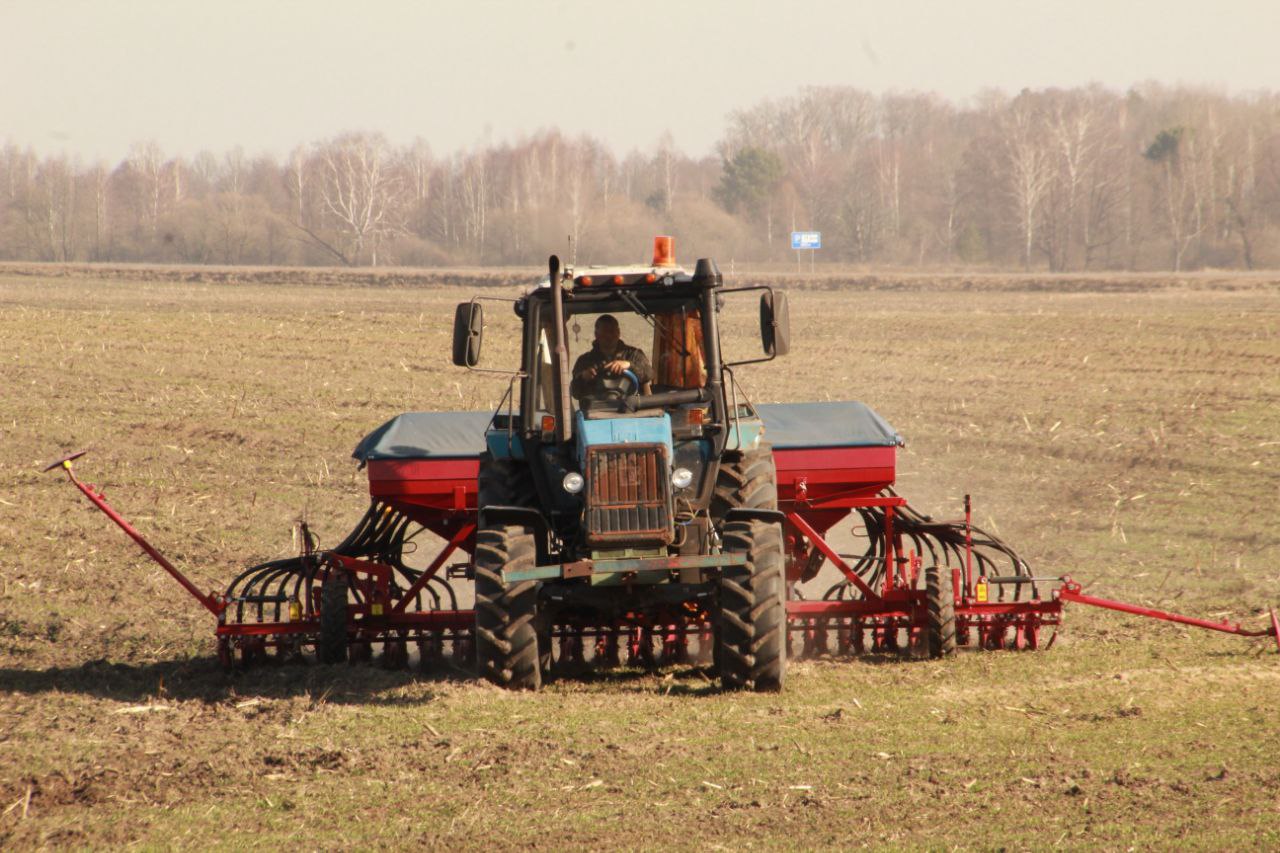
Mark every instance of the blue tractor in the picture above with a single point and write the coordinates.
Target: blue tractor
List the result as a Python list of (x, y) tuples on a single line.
[(624, 493)]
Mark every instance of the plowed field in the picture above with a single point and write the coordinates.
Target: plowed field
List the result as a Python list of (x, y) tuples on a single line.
[(1125, 431)]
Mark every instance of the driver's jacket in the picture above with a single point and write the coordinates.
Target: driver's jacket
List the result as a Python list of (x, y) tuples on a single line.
[(594, 358)]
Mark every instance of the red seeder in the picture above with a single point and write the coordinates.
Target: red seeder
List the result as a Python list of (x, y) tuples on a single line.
[(879, 603)]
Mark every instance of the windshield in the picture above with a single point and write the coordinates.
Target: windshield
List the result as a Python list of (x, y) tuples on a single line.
[(658, 341)]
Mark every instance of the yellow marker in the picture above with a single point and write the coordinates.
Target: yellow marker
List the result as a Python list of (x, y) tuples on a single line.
[(295, 610), (980, 590), (377, 610)]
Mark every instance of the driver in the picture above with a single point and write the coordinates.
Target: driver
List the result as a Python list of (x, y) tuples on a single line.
[(608, 356)]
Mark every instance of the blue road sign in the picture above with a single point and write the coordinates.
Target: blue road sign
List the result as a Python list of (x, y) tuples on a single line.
[(806, 240)]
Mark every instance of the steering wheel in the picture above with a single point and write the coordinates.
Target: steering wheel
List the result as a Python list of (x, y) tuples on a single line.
[(619, 387)]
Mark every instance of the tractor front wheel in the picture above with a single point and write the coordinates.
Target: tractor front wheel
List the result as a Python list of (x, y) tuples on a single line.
[(506, 613), (753, 617)]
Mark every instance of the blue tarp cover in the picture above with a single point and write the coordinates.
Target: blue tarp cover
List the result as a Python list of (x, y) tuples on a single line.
[(428, 435)]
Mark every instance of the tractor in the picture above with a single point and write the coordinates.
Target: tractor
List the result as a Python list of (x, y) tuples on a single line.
[(631, 492)]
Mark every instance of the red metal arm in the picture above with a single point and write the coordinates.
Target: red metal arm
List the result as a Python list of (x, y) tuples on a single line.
[(458, 538), (821, 544), (1071, 592), (211, 602)]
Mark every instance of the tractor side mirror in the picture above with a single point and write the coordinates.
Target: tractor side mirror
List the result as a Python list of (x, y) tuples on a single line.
[(775, 323), (468, 331)]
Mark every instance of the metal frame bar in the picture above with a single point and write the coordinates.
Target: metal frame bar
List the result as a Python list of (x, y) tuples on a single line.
[(430, 571), (798, 522), (585, 568), (211, 602)]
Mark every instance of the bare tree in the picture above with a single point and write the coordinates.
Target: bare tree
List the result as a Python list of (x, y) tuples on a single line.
[(1029, 167), (360, 195), (146, 163), (473, 184), (99, 182), (1173, 151), (1072, 126)]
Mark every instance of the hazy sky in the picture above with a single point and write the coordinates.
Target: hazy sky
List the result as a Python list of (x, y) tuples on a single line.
[(90, 78)]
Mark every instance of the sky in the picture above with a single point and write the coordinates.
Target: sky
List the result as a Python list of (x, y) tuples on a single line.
[(91, 78)]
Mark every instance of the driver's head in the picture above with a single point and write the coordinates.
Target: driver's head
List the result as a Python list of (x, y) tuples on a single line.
[(607, 333)]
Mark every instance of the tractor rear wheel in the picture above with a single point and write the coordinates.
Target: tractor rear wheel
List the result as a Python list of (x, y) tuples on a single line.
[(753, 613), (332, 645), (506, 613), (941, 610)]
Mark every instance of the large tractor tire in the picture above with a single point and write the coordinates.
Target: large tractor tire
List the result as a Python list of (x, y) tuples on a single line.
[(753, 613), (331, 647), (747, 480), (505, 482), (506, 614), (940, 634)]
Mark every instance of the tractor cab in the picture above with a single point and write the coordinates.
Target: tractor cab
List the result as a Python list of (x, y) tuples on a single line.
[(623, 360)]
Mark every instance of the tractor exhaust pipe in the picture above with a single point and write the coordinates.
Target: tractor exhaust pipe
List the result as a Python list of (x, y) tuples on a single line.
[(561, 353)]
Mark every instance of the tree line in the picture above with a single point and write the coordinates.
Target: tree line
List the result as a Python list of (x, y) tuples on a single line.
[(1059, 179)]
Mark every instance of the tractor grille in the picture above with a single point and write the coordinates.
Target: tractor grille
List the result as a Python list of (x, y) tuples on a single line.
[(628, 497)]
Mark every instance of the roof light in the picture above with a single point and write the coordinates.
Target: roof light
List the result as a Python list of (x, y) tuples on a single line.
[(585, 281), (650, 278), (617, 279), (664, 251)]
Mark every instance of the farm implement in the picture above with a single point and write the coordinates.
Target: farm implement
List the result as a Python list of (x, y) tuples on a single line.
[(624, 511)]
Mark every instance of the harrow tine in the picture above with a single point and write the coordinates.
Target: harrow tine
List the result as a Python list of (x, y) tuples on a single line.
[(395, 654), (613, 651), (670, 652), (682, 644), (844, 637), (574, 652), (436, 647), (463, 650), (606, 655), (706, 639), (646, 647), (226, 654)]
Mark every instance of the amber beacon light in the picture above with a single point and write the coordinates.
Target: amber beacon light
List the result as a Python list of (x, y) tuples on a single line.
[(664, 251)]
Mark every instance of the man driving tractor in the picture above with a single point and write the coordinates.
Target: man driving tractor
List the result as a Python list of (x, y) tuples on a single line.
[(609, 356)]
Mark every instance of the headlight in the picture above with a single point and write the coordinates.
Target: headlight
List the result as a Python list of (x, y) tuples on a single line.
[(572, 482), (681, 478)]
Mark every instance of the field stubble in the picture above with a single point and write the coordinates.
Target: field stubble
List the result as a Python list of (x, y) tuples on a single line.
[(1126, 438)]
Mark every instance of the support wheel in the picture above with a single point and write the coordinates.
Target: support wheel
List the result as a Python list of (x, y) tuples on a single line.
[(753, 617), (940, 632), (332, 645), (506, 628)]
